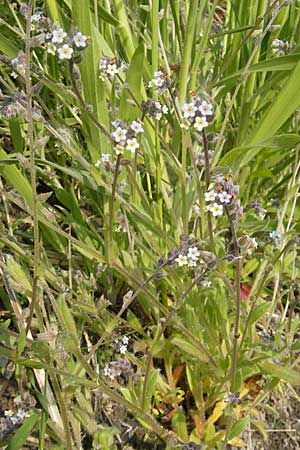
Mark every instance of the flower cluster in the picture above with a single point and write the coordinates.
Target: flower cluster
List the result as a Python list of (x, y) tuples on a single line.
[(109, 67), (233, 398), (10, 422), (121, 345), (154, 108), (125, 136), (191, 446), (196, 114), (258, 209), (60, 43), (18, 64), (103, 161), (120, 367), (9, 107), (190, 259), (160, 83), (220, 194), (276, 237), (200, 157), (55, 39), (280, 48)]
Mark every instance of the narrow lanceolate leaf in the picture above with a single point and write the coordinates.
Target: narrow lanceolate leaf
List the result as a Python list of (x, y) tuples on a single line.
[(92, 86), (134, 81), (287, 62), (281, 109), (284, 373), (15, 178), (53, 10), (19, 439)]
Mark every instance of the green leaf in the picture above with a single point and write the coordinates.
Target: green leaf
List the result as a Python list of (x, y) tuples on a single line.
[(33, 364), (93, 87), (15, 178), (189, 348), (238, 427), (258, 312), (16, 134), (287, 62), (19, 439), (284, 373), (149, 390), (21, 342), (7, 47), (134, 81), (179, 423), (17, 273), (53, 10), (281, 109), (242, 155)]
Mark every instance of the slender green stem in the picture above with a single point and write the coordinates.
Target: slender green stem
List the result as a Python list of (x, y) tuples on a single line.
[(155, 25), (202, 46), (237, 300), (189, 38), (63, 412), (207, 183), (112, 200), (185, 144), (36, 248), (158, 177)]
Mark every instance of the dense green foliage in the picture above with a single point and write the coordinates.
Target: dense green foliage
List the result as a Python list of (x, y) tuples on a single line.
[(136, 313)]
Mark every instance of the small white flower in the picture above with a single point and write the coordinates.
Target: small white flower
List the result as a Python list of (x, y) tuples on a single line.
[(158, 116), (157, 82), (123, 349), (205, 283), (224, 197), (103, 64), (65, 52), (107, 371), (80, 40), (192, 263), (136, 127), (158, 74), (112, 70), (254, 243), (185, 125), (119, 135), (14, 75), (132, 145), (210, 196), (165, 109), (276, 43), (182, 260), (158, 105), (58, 36), (188, 110), (193, 253), (215, 209), (125, 340), (275, 234), (200, 123), (98, 163), (37, 17), (105, 157), (51, 49), (206, 108), (116, 123)]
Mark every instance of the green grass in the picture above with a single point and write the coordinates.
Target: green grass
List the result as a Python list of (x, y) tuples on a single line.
[(84, 248)]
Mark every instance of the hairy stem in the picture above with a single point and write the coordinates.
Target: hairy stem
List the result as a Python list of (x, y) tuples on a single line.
[(237, 300), (36, 249), (207, 183)]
